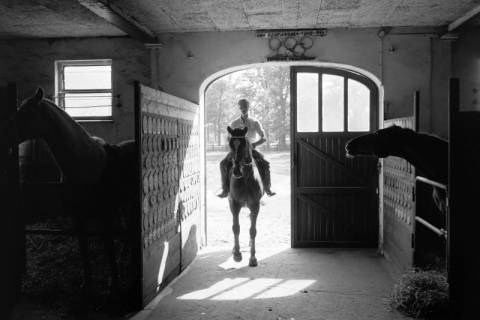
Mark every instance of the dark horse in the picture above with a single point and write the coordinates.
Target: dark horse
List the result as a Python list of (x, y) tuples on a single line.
[(427, 153), (101, 178), (246, 189)]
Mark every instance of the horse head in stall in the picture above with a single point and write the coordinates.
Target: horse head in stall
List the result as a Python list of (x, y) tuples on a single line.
[(246, 189), (102, 177), (427, 153), (81, 158)]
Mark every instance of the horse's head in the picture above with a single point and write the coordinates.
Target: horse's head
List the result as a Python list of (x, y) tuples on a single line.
[(26, 123), (379, 143), (241, 152)]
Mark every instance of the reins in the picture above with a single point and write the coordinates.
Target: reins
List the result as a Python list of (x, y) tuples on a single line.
[(250, 164)]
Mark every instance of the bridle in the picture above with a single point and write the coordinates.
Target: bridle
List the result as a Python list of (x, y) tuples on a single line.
[(249, 150)]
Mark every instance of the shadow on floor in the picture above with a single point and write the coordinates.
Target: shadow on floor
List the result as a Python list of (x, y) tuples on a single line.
[(287, 284)]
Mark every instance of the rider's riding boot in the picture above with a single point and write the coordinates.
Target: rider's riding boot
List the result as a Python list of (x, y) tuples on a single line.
[(270, 193), (225, 183), (265, 175), (223, 194)]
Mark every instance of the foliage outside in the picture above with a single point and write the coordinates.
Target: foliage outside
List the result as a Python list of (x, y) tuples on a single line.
[(267, 88), (421, 294)]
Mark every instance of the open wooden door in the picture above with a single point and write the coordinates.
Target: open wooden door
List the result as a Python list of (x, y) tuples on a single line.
[(334, 198), (169, 147)]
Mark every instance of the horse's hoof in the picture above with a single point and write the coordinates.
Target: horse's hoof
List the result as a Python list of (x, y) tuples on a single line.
[(237, 257), (253, 262)]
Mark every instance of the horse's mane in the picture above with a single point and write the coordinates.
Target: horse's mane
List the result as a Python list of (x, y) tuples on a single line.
[(61, 112), (425, 134), (238, 131)]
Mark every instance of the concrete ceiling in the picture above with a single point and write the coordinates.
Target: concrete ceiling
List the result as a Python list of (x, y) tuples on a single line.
[(67, 18), (51, 19), (222, 15)]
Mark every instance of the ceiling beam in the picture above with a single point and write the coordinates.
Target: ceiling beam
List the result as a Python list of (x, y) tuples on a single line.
[(115, 16), (467, 16)]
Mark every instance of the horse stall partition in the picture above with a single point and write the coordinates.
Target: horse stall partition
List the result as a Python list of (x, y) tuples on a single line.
[(399, 202), (11, 234), (167, 133), (463, 217)]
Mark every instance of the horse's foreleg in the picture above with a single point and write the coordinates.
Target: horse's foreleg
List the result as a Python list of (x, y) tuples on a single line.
[(235, 209), (87, 271), (110, 252), (253, 234)]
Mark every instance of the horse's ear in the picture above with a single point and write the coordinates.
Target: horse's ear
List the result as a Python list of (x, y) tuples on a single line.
[(229, 130), (39, 95)]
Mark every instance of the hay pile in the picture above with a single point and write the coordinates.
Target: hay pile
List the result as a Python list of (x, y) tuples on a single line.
[(52, 284), (421, 294)]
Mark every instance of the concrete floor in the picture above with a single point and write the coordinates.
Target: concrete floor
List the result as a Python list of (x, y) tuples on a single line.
[(288, 284)]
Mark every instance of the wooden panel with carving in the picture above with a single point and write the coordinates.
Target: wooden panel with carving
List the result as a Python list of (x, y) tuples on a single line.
[(189, 202), (399, 204), (167, 128)]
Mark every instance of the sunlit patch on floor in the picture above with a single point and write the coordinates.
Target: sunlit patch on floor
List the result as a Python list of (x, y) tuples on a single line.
[(248, 289), (285, 289), (244, 288), (217, 288)]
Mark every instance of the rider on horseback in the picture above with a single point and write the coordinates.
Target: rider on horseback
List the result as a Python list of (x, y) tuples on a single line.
[(254, 129)]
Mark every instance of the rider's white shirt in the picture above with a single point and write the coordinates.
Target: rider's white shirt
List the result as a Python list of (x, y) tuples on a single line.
[(254, 127)]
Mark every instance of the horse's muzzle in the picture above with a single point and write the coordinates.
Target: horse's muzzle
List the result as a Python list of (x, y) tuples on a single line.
[(237, 173)]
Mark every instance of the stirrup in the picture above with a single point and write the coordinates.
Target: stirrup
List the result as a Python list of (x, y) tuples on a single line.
[(270, 193)]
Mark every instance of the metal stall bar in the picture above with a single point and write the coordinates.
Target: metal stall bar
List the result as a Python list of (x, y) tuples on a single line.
[(431, 182), (439, 231)]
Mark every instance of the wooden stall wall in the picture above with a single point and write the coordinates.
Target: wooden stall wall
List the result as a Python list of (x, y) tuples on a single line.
[(12, 242), (464, 177), (167, 132), (399, 205)]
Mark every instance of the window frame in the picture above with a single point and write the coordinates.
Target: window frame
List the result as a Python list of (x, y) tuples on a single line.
[(346, 74), (60, 90)]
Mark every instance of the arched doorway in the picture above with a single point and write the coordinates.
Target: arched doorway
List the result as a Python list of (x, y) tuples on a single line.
[(352, 77), (267, 88)]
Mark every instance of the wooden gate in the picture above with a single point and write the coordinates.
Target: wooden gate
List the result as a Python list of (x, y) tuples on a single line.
[(168, 138), (12, 240), (398, 194), (334, 198)]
